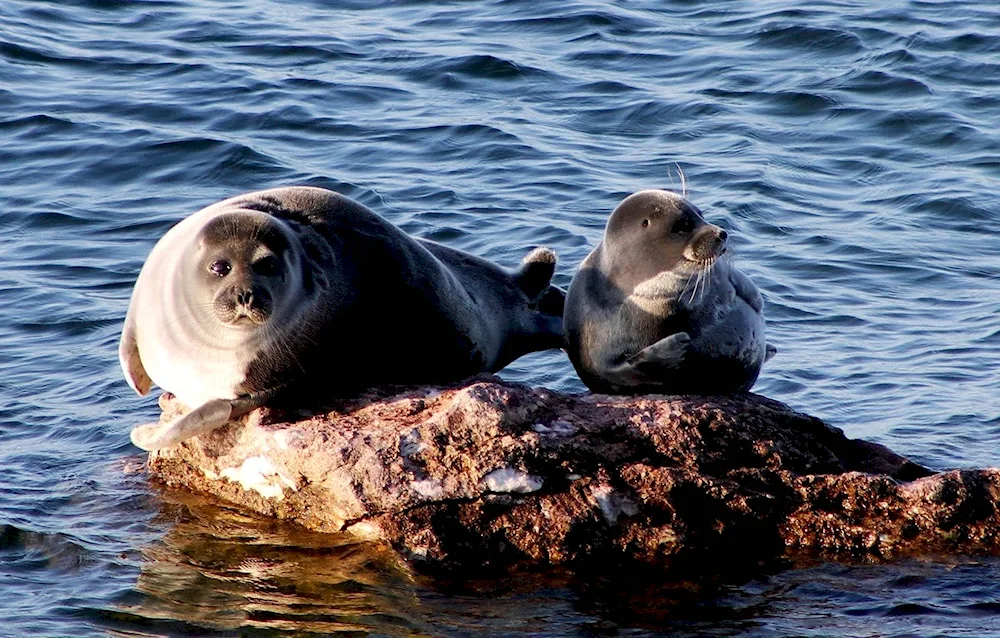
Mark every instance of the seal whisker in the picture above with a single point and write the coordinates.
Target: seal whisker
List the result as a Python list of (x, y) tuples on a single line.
[(706, 278), (699, 283), (694, 288), (690, 286)]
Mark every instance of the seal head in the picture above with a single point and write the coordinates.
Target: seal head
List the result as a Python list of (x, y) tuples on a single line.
[(243, 261)]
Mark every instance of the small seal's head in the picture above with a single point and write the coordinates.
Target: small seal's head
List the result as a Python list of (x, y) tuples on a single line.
[(246, 263), (654, 231)]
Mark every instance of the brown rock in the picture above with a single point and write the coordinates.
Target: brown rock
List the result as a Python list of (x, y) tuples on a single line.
[(494, 473)]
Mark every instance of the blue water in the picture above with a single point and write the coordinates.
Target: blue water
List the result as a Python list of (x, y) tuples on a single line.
[(852, 150)]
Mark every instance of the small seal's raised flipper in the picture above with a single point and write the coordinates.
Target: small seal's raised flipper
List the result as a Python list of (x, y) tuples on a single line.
[(533, 279), (207, 417)]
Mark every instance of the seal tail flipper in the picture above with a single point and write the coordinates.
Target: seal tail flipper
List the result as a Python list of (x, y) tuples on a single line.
[(769, 351), (552, 302), (536, 272)]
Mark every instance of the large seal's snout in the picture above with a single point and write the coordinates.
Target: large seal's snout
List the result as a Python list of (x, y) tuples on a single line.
[(240, 303)]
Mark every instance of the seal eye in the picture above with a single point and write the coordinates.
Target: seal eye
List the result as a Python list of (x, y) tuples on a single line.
[(645, 223), (220, 267), (683, 225), (266, 266)]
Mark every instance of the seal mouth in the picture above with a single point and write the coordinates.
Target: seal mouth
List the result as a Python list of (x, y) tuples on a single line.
[(244, 308), (703, 263), (242, 316), (704, 258), (246, 321)]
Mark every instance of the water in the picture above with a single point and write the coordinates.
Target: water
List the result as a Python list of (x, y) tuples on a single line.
[(852, 149)]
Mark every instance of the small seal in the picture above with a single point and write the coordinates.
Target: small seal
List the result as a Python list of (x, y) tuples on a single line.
[(300, 295), (654, 308)]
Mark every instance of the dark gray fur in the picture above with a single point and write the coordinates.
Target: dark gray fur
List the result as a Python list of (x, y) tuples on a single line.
[(400, 310)]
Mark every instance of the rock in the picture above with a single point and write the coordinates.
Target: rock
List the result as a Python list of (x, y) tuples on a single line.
[(493, 473)]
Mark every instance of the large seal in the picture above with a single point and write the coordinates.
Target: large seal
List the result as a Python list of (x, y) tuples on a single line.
[(301, 292), (654, 308)]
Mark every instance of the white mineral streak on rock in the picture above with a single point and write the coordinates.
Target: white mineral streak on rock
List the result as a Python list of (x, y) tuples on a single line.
[(290, 438), (558, 428), (510, 480), (613, 504), (428, 488), (410, 443), (259, 474)]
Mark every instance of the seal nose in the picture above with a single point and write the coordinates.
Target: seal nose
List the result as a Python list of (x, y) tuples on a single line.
[(723, 235), (245, 298)]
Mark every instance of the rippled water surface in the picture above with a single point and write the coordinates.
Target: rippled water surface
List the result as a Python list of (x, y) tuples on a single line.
[(852, 149)]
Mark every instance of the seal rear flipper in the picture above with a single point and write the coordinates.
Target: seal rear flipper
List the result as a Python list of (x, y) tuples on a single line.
[(128, 357), (552, 302), (536, 272), (205, 418)]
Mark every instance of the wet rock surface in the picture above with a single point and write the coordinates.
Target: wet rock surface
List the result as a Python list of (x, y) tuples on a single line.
[(492, 473)]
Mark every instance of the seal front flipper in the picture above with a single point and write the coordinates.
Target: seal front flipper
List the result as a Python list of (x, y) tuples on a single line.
[(769, 351), (646, 365), (128, 357), (668, 352), (205, 418), (746, 290)]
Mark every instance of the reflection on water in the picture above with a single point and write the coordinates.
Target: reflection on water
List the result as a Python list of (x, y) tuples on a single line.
[(220, 570), (217, 570)]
